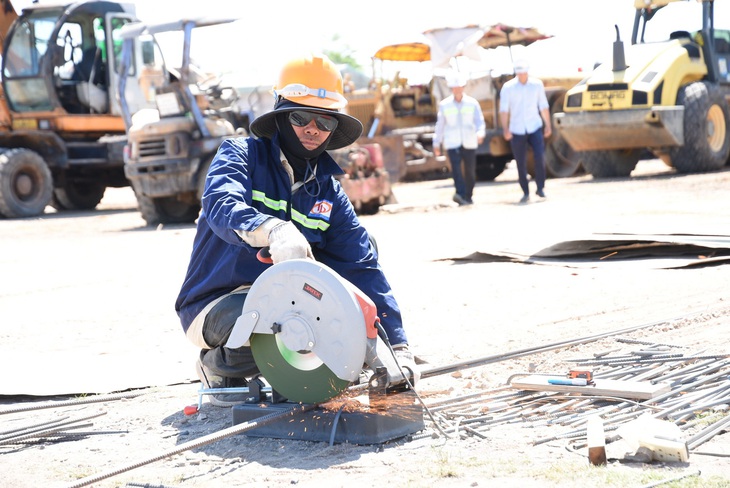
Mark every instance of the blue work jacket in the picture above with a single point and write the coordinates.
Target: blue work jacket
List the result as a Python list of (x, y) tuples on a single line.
[(246, 184)]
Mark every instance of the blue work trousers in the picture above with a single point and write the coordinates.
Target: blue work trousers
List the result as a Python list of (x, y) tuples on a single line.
[(463, 180), (519, 144)]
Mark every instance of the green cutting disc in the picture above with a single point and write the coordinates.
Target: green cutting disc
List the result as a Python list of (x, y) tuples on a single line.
[(299, 377)]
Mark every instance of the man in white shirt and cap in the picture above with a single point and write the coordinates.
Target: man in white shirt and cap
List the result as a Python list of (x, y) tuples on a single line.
[(525, 116)]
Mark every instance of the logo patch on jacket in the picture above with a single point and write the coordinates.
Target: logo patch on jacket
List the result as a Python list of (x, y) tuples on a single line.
[(322, 209)]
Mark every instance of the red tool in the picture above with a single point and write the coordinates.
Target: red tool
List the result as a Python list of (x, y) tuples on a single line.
[(190, 410), (264, 255), (577, 374)]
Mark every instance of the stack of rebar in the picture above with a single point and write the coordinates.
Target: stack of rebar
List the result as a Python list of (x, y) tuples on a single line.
[(697, 401), (62, 427)]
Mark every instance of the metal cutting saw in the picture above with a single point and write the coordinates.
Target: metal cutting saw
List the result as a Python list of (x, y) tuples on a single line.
[(311, 332)]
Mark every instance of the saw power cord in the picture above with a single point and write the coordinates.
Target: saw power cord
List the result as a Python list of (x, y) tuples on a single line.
[(384, 336)]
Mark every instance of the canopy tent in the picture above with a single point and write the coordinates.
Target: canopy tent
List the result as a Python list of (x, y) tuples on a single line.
[(506, 35), (445, 43), (409, 51), (449, 42)]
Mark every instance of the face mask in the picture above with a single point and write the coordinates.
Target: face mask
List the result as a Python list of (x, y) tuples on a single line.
[(290, 142)]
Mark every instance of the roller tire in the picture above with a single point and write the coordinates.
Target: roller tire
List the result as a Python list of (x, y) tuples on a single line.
[(610, 164), (706, 129), (561, 160)]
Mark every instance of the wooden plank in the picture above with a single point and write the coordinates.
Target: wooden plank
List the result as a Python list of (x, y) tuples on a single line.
[(639, 390)]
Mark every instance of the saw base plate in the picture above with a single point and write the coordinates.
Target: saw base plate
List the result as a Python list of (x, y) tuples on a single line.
[(322, 425)]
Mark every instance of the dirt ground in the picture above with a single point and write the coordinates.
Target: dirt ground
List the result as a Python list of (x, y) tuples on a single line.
[(80, 280)]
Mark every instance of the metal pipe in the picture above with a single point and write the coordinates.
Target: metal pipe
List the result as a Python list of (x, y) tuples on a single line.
[(27, 427), (668, 358), (692, 369), (707, 433), (680, 406), (202, 441), (653, 373), (702, 406), (675, 478), (55, 431), (525, 352), (569, 435), (57, 426), (76, 401), (645, 343), (470, 399), (708, 379)]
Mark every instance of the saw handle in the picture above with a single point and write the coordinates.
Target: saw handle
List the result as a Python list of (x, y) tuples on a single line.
[(264, 255)]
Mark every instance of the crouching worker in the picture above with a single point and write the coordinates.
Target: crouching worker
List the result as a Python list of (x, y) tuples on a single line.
[(278, 190)]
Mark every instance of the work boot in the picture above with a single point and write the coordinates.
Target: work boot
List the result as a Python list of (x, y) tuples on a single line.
[(213, 380), (459, 199)]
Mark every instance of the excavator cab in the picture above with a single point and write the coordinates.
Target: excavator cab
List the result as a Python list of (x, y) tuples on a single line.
[(59, 57), (62, 136)]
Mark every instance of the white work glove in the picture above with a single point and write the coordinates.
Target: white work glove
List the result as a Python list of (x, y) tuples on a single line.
[(407, 362), (286, 242)]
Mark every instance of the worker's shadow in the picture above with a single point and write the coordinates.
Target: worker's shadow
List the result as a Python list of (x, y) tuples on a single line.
[(245, 448)]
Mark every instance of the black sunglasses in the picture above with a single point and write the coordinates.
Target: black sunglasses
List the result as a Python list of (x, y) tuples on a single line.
[(301, 118)]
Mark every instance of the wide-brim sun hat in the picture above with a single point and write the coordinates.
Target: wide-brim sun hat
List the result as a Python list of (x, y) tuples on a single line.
[(348, 130), (312, 83)]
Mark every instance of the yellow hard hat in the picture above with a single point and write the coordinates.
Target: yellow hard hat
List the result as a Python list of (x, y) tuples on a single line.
[(312, 80), (312, 83)]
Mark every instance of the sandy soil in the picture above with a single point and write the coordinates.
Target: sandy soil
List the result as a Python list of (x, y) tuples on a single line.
[(456, 311)]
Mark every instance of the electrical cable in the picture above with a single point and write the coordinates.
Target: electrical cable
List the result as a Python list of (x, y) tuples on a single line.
[(384, 336), (334, 425)]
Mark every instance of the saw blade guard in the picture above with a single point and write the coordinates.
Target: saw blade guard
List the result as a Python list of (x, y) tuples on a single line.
[(316, 316)]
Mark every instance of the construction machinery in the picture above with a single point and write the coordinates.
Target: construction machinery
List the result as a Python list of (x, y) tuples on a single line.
[(61, 133), (366, 180), (401, 116), (170, 148), (668, 97)]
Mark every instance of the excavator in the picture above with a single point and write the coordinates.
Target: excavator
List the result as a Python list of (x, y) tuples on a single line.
[(61, 134)]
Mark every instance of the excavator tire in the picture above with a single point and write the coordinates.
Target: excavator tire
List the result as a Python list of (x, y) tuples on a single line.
[(167, 210), (706, 129), (78, 196), (26, 183), (610, 164)]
